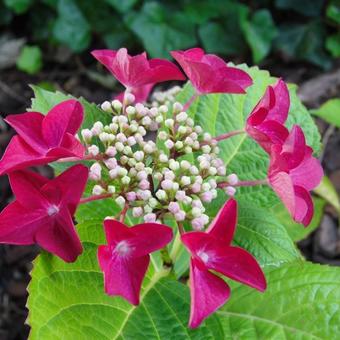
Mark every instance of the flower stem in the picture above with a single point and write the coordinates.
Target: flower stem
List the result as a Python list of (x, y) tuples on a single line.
[(228, 135), (123, 213), (244, 183), (180, 228), (78, 159), (190, 101), (95, 198)]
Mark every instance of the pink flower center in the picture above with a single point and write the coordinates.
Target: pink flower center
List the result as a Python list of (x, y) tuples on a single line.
[(52, 210), (203, 256), (122, 248)]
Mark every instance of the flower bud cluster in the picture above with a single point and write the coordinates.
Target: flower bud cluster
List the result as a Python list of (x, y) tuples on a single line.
[(144, 159)]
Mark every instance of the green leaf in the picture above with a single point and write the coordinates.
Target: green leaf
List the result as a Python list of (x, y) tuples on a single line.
[(44, 101), (297, 231), (220, 113), (122, 6), (305, 7), (302, 301), (327, 191), (18, 6), (333, 45), (160, 32), (303, 42), (333, 11), (259, 32), (68, 301), (71, 28), (30, 59), (329, 111)]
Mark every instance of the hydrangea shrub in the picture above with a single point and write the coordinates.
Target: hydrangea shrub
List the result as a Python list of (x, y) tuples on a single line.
[(174, 235)]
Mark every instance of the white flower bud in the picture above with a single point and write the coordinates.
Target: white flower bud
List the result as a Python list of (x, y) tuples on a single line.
[(185, 165), (185, 180), (122, 172), (114, 173), (95, 172), (194, 170), (190, 122), (231, 191), (148, 209), (131, 140), (159, 119), (167, 184), (204, 165), (150, 218), (122, 119), (139, 166), (153, 202), (161, 195), (111, 189), (169, 175), (87, 135), (111, 151), (182, 130), (177, 107), (137, 212), (162, 135), (146, 121), (212, 171), (153, 112), (163, 158), (173, 165), (142, 130), (196, 145), (169, 123), (97, 190), (93, 150), (120, 200), (179, 145), (189, 141), (114, 127), (206, 187), (174, 207), (169, 144), (196, 212), (126, 180), (158, 176), (163, 109), (144, 194), (175, 186), (129, 98), (213, 183), (106, 106), (232, 179), (97, 128), (130, 110), (148, 170), (124, 159), (138, 156), (206, 149), (180, 195), (181, 117), (117, 105), (127, 150), (221, 171), (180, 216), (119, 146)]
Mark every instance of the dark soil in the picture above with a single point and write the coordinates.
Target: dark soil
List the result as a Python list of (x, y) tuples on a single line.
[(73, 77)]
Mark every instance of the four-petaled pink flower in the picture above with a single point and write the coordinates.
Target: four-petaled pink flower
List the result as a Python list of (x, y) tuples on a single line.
[(293, 172), (42, 212), (126, 258), (136, 71), (265, 123), (210, 74), (43, 139), (211, 250)]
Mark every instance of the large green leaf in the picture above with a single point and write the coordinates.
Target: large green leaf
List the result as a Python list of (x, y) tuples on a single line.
[(329, 111), (302, 302), (221, 113)]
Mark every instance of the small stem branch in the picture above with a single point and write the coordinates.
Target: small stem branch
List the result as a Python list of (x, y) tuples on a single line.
[(244, 183), (94, 198), (180, 228), (176, 247), (77, 159), (123, 213), (190, 101), (228, 135)]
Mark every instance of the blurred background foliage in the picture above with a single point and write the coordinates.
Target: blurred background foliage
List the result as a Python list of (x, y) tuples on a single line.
[(290, 30)]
